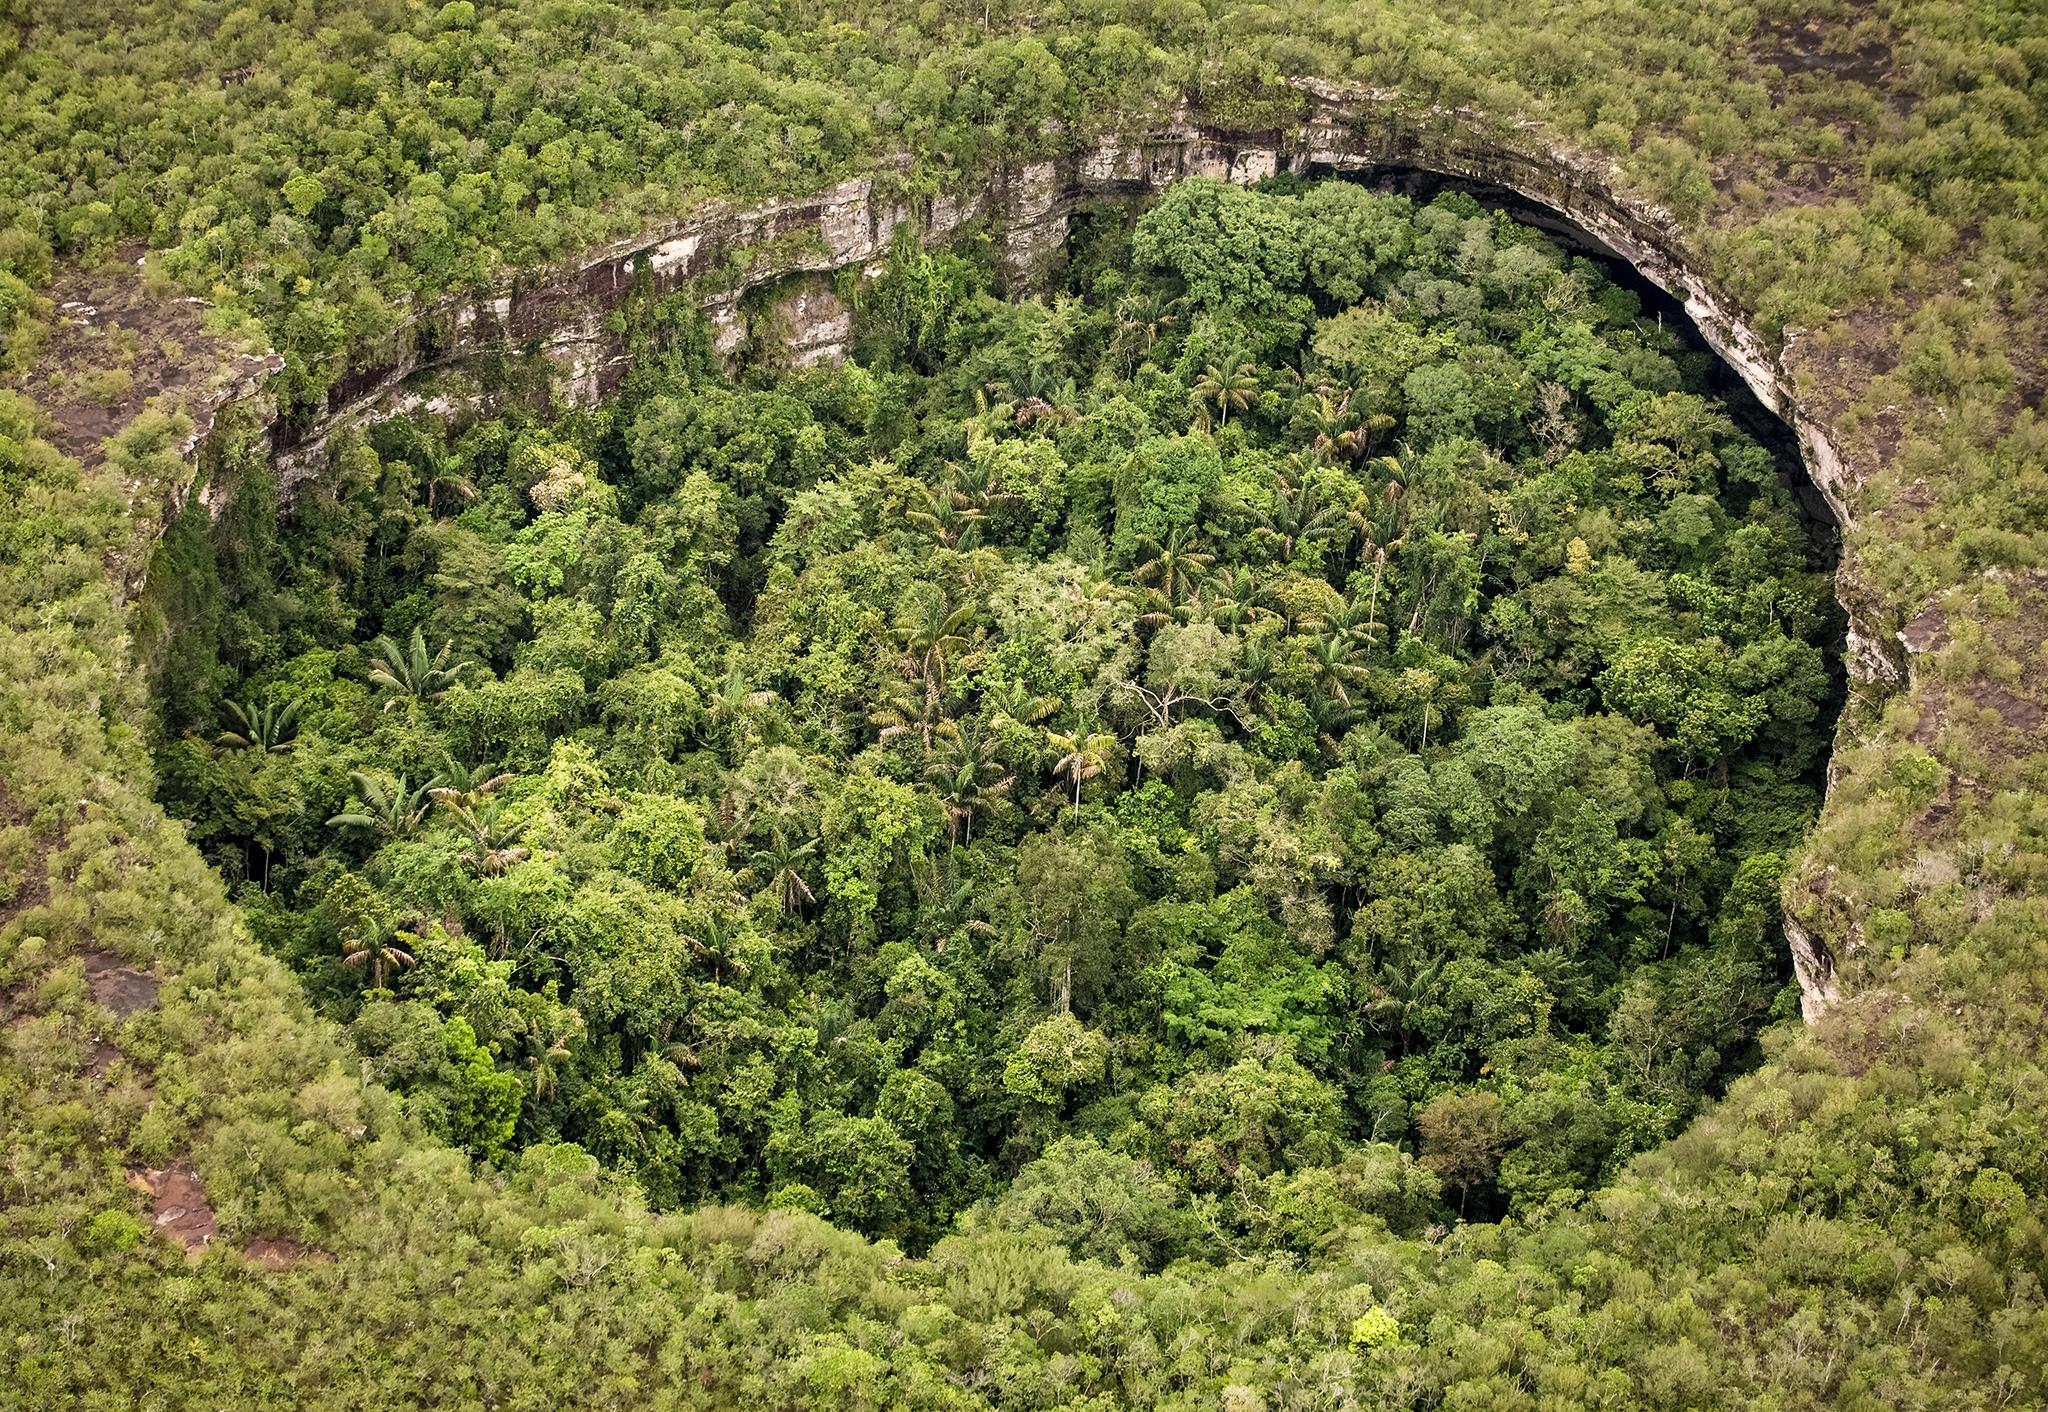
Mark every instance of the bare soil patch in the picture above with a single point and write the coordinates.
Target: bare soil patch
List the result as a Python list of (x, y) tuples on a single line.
[(178, 1205), (100, 1057), (118, 986), (1794, 47), (278, 1253), (114, 346), (2002, 711)]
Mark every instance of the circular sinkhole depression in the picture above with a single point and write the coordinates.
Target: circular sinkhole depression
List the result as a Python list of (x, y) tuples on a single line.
[(1297, 731)]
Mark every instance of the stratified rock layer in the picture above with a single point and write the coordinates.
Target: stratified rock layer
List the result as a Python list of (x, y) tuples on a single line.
[(724, 251)]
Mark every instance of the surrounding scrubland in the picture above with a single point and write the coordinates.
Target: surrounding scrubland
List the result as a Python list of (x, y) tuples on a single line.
[(1038, 780)]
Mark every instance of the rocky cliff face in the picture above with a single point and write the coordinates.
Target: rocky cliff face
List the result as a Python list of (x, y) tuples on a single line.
[(724, 251)]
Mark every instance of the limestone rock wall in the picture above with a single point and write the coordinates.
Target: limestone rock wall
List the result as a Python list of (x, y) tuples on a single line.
[(724, 251)]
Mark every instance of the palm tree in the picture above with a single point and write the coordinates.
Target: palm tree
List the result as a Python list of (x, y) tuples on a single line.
[(991, 416), (734, 702), (781, 862), (408, 674), (393, 813), (440, 468), (1239, 598), (443, 476), (713, 937), (1228, 382), (948, 903), (950, 522), (1081, 758), (1256, 667), (1298, 516), (1400, 996), (729, 825), (1401, 470), (1175, 568), (462, 788), (375, 953), (265, 729), (1334, 433), (1060, 410), (1335, 668), (1371, 627), (973, 487), (907, 711), (1337, 431), (930, 637), (1141, 317), (1427, 690), (1332, 718), (1049, 337), (1014, 704), (546, 1055), (491, 850), (1353, 620), (968, 779)]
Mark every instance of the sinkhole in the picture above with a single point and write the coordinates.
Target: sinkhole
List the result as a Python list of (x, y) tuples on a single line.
[(1295, 728)]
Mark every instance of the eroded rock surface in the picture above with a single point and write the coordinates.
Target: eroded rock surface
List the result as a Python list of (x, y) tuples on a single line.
[(723, 251), (178, 1205), (119, 987), (1813, 966)]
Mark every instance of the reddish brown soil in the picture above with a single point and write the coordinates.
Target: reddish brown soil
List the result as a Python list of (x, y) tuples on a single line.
[(178, 1206), (118, 986), (113, 346)]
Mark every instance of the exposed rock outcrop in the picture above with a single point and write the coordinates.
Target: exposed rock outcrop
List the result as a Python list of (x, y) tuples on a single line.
[(1813, 966), (724, 251)]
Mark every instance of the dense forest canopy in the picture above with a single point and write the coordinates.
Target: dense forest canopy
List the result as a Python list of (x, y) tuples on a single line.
[(1084, 1027), (1326, 687), (323, 168)]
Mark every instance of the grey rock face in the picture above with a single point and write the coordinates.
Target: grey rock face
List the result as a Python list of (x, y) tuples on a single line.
[(1813, 966), (724, 251)]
